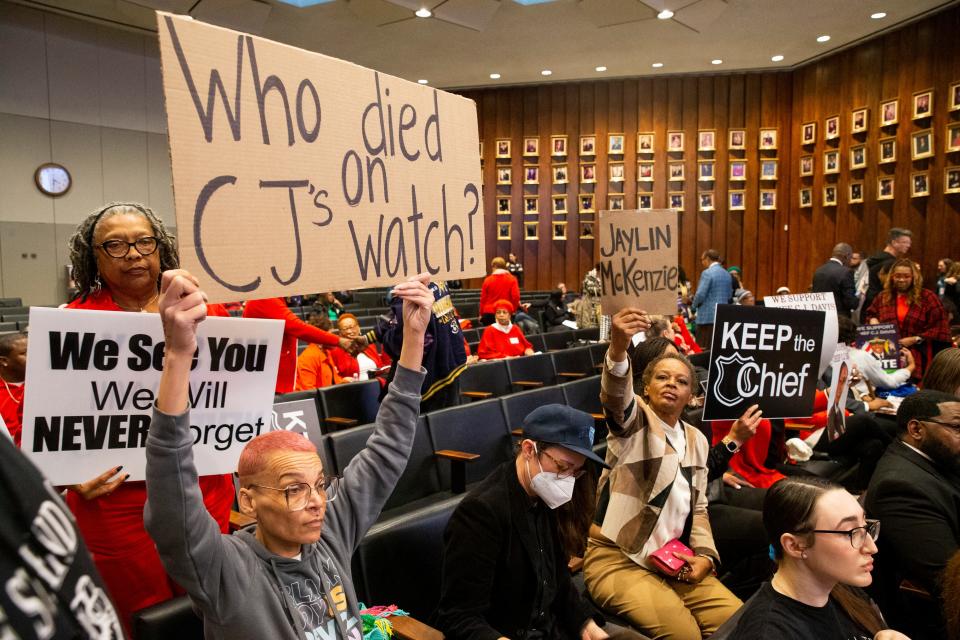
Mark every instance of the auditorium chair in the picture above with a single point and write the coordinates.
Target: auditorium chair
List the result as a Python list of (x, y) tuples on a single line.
[(558, 340), (468, 309), (516, 406), (573, 364), (527, 372), (592, 334), (11, 302), (701, 359), (598, 352), (475, 439), (585, 396), (536, 339), (289, 408), (171, 619), (350, 404), (471, 335), (483, 380)]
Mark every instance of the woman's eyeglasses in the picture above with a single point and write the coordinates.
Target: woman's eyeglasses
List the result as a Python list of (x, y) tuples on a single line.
[(298, 494), (120, 248), (857, 535), (564, 469)]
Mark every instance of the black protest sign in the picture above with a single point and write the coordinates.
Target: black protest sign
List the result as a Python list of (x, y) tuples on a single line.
[(763, 356)]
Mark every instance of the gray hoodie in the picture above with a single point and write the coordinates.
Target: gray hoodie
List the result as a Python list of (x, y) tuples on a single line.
[(241, 588)]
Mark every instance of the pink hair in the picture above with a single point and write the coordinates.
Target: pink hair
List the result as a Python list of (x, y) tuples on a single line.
[(254, 456)]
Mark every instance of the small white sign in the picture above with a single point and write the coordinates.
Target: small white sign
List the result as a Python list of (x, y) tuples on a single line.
[(814, 302)]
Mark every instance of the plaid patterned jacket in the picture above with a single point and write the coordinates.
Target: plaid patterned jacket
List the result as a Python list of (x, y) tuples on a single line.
[(928, 319), (642, 470)]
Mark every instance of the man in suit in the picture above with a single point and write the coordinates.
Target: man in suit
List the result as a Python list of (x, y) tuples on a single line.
[(915, 493), (835, 277), (714, 288)]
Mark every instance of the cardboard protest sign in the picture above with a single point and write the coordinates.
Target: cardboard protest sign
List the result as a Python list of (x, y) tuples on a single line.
[(882, 341), (93, 379), (296, 172), (763, 356), (813, 302), (837, 397), (638, 260)]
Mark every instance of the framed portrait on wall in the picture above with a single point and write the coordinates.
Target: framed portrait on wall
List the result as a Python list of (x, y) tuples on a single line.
[(829, 195), (588, 145), (531, 205), (737, 140), (531, 147), (675, 199), (889, 112), (768, 169), (858, 157), (586, 203), (738, 170), (707, 140), (705, 170), (919, 184), (588, 173), (615, 171), (921, 144), (645, 200), (531, 174), (586, 230), (831, 162), (503, 149), (831, 128), (953, 137), (645, 171), (923, 104), (561, 174), (738, 200), (768, 199), (503, 231), (855, 195), (951, 180), (705, 201), (559, 230), (645, 142), (615, 144), (887, 150), (806, 166), (504, 175), (560, 204), (531, 230), (954, 97), (768, 139), (615, 202), (858, 120), (558, 146), (503, 206), (885, 188), (808, 133), (675, 170), (675, 142), (806, 197)]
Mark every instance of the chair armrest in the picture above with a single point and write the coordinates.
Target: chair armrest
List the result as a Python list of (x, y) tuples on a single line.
[(451, 454), (572, 374), (798, 426), (517, 433), (532, 384), (575, 564), (341, 422), (476, 395), (458, 467), (408, 628), (239, 520), (598, 416)]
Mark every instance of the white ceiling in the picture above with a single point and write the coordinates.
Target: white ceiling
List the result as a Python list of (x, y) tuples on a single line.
[(466, 40)]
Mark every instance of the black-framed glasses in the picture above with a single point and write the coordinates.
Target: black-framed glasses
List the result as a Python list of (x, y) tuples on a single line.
[(857, 535), (120, 248), (298, 494), (563, 468), (949, 425)]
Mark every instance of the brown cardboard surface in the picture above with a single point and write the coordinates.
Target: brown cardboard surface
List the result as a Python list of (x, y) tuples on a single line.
[(638, 260), (285, 181)]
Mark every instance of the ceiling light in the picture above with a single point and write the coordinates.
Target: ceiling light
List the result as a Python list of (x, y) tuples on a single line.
[(879, 15), (546, 72), (823, 38), (666, 14), (423, 12), (657, 65), (494, 76), (423, 81), (777, 58), (601, 68), (717, 61)]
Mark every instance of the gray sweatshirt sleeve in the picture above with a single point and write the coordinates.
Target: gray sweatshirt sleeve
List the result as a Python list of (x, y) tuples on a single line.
[(188, 539), (371, 476)]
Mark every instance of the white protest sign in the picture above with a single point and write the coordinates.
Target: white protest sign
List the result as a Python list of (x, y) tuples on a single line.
[(286, 162), (814, 302), (92, 380)]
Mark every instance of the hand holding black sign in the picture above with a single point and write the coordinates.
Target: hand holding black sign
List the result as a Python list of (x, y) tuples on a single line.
[(763, 356)]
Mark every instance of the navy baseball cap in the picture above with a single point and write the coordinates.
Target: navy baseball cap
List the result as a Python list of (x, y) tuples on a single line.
[(563, 426)]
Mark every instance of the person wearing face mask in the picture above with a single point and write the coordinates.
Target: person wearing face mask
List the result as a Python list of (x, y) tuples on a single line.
[(507, 543), (503, 339)]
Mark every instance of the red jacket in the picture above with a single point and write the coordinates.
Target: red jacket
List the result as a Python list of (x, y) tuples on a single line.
[(11, 408), (112, 525), (293, 329), (499, 285), (349, 366), (497, 344)]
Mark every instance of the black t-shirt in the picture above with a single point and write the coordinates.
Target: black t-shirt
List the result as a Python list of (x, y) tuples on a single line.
[(773, 615)]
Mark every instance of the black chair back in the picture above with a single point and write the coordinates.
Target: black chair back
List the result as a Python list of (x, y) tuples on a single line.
[(575, 363), (535, 368), (358, 401), (478, 428), (171, 619), (485, 377), (557, 340), (516, 406)]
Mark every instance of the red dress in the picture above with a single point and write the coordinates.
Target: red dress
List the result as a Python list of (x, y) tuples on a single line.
[(348, 366), (748, 462), (499, 285), (112, 525), (497, 344), (293, 328), (11, 408)]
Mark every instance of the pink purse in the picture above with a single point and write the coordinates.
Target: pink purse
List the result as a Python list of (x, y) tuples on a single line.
[(664, 559)]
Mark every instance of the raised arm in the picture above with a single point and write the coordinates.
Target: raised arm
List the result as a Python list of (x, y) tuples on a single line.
[(616, 383)]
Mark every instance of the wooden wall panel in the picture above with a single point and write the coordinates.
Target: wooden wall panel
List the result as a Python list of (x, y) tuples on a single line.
[(774, 248)]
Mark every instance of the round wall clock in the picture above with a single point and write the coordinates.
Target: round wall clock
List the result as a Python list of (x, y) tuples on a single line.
[(52, 179)]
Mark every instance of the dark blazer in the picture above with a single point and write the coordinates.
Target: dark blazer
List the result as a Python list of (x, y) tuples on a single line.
[(488, 582), (833, 277)]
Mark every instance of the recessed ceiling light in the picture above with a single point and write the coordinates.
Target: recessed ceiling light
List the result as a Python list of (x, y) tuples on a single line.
[(423, 81), (716, 61), (423, 12), (777, 58), (657, 65), (823, 38), (666, 14), (601, 68), (494, 76), (879, 15)]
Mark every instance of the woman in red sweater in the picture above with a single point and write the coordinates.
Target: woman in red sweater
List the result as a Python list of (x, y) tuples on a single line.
[(503, 339), (13, 367), (499, 285), (117, 254)]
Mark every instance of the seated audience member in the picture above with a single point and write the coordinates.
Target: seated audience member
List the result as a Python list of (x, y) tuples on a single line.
[(744, 297), (588, 307), (783, 291), (315, 365), (499, 285), (951, 596), (917, 312), (371, 358), (503, 339), (655, 494), (943, 272), (943, 374), (736, 279), (13, 369), (667, 327), (555, 314), (871, 375), (330, 306), (915, 492), (290, 577), (507, 544), (568, 296), (824, 549)]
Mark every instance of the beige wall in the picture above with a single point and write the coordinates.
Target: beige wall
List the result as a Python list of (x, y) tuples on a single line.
[(88, 97)]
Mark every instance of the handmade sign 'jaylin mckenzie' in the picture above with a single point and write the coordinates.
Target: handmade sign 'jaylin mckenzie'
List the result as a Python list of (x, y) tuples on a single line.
[(296, 172)]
